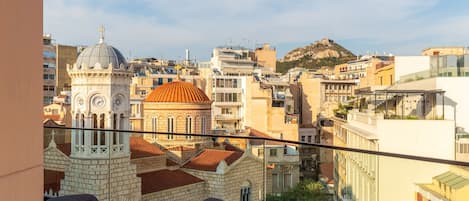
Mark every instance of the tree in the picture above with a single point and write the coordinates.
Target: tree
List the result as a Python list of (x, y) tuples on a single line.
[(306, 190)]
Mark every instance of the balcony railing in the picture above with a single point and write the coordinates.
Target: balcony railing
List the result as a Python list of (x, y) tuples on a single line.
[(175, 166)]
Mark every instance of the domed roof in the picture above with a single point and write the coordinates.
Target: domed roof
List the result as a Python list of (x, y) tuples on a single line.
[(101, 53), (178, 91)]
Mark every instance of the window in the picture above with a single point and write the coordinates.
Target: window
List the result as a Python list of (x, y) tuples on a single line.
[(303, 138), (49, 76), (245, 191), (49, 88), (260, 152), (285, 150), (154, 127), (226, 111), (275, 181), (287, 181), (309, 138), (273, 152), (170, 79), (188, 127), (102, 136), (160, 81), (203, 126), (170, 128), (95, 132)]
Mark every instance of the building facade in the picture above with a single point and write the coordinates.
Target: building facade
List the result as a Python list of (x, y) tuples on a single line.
[(49, 67)]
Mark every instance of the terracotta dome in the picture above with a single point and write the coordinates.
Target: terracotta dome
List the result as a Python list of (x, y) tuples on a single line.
[(178, 91)]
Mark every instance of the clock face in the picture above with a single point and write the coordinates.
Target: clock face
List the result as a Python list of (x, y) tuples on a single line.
[(118, 101), (99, 101), (80, 101)]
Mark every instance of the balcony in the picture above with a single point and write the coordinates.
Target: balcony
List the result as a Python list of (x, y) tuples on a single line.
[(138, 165), (227, 117)]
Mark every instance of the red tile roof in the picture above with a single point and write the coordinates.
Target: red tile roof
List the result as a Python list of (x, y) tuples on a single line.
[(255, 133), (178, 91), (52, 180), (140, 148), (209, 159), (230, 147), (166, 179), (181, 148)]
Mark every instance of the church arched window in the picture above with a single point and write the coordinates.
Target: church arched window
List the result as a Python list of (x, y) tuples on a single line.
[(188, 127), (154, 127), (102, 136), (170, 128)]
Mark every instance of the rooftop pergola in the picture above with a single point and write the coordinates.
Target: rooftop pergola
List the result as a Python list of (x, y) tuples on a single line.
[(400, 93)]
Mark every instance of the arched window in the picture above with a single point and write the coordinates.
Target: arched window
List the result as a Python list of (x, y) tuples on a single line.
[(188, 127), (82, 132), (121, 127), (203, 126), (102, 136), (245, 191), (94, 120), (77, 125), (170, 128), (154, 127), (114, 127)]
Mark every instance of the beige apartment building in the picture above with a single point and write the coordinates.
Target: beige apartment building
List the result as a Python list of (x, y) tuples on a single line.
[(322, 96), (65, 54), (49, 66), (266, 56), (445, 50)]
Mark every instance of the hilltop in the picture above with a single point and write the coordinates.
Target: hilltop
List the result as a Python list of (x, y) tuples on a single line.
[(324, 52)]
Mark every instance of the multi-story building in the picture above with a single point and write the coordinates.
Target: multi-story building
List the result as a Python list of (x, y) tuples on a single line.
[(448, 50), (266, 56), (233, 60), (229, 102), (450, 185), (282, 158), (49, 66), (65, 54), (368, 177)]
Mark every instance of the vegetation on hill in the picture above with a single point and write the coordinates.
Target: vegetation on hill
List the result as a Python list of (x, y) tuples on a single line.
[(316, 55)]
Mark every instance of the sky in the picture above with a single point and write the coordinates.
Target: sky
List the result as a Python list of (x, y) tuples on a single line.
[(165, 28)]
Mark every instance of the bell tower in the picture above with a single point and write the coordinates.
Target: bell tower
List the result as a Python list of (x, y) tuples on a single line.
[(100, 160)]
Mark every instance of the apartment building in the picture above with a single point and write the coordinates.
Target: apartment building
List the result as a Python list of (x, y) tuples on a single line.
[(49, 65), (369, 177)]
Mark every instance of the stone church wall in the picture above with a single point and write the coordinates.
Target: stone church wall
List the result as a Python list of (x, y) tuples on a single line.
[(195, 192)]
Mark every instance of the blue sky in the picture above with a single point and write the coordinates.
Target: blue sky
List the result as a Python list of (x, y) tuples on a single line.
[(165, 28)]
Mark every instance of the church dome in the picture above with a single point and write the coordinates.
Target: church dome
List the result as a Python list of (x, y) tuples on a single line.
[(178, 91), (100, 53)]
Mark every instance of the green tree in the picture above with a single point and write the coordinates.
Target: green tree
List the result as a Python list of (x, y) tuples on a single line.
[(304, 191)]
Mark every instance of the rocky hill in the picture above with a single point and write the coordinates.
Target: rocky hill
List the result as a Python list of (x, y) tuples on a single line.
[(322, 53)]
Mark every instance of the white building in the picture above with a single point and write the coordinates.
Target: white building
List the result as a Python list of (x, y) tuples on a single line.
[(233, 60), (100, 99)]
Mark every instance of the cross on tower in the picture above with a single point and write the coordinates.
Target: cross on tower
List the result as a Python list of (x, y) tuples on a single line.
[(101, 32)]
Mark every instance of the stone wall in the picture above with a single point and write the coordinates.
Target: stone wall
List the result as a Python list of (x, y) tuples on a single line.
[(196, 192), (214, 182), (92, 176), (227, 186), (54, 159), (249, 169), (149, 163)]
